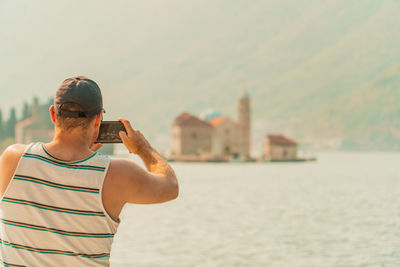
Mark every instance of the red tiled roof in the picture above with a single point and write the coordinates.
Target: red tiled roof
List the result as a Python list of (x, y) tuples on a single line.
[(24, 123), (186, 119), (218, 120), (280, 140)]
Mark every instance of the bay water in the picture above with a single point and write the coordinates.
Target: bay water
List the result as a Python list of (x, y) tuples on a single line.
[(342, 210)]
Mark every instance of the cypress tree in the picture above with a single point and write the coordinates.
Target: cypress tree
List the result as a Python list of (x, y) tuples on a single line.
[(1, 126), (12, 120), (47, 116), (27, 111)]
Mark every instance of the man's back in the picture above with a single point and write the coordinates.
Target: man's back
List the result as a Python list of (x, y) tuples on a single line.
[(52, 212), (61, 204)]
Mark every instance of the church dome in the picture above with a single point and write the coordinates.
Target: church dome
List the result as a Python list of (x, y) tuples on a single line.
[(244, 94), (210, 114)]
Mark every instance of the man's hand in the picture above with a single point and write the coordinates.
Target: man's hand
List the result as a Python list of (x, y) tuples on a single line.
[(134, 140)]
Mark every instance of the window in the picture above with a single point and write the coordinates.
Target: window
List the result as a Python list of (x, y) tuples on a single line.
[(227, 149)]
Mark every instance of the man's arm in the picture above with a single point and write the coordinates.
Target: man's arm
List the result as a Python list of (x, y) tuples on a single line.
[(127, 182), (8, 164)]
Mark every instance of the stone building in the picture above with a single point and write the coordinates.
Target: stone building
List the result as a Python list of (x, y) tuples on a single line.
[(37, 128), (226, 137), (191, 136), (279, 148), (214, 136)]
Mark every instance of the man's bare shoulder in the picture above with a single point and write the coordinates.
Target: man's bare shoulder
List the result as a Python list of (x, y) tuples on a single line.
[(124, 169), (11, 156), (124, 178), (8, 164), (14, 151)]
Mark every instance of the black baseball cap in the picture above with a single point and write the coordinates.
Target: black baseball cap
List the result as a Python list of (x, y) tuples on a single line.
[(82, 91)]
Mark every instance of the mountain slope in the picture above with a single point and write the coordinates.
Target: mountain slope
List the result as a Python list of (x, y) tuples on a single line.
[(316, 70)]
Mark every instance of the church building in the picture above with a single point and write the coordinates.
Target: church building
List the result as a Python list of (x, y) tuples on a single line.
[(213, 136)]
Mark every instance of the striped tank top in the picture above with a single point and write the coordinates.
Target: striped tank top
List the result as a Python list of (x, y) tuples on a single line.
[(52, 212)]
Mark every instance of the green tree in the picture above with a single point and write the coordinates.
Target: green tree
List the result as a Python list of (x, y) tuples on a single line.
[(27, 111), (1, 127), (50, 102), (46, 114), (12, 120)]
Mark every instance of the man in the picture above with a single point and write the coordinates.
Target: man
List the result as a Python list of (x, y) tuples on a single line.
[(61, 200)]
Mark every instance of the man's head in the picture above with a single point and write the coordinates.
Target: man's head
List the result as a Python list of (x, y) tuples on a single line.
[(78, 105)]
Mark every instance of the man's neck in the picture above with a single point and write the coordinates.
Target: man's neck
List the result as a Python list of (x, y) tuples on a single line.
[(70, 146)]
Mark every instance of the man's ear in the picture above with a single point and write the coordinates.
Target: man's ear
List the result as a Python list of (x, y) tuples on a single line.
[(98, 120), (53, 114)]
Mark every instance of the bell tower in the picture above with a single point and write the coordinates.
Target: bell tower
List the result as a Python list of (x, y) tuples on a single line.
[(244, 121)]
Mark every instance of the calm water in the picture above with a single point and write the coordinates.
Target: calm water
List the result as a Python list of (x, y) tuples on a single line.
[(343, 210)]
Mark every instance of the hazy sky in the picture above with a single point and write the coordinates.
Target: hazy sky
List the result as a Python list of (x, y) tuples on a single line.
[(155, 45), (155, 59), (43, 42)]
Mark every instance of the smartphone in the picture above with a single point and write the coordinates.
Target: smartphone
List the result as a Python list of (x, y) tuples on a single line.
[(109, 132)]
